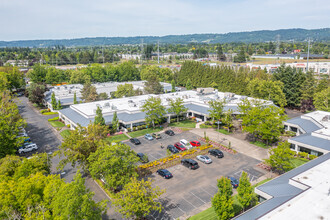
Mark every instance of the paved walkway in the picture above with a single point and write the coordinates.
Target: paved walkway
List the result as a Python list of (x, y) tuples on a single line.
[(241, 146)]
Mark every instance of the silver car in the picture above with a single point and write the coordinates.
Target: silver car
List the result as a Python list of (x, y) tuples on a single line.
[(27, 147), (204, 159)]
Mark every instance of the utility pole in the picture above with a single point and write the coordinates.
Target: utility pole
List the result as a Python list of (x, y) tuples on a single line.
[(309, 39), (158, 52)]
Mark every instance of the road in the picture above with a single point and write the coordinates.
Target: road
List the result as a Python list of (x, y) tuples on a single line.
[(45, 136)]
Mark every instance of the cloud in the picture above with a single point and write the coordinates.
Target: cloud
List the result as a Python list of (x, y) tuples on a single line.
[(47, 19)]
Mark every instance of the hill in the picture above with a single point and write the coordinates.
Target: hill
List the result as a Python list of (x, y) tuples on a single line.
[(245, 37)]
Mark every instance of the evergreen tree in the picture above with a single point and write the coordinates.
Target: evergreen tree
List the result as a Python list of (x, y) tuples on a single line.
[(59, 105), (307, 92), (99, 117), (188, 85), (53, 102), (245, 191), (222, 202), (115, 122), (240, 58), (220, 54), (173, 86), (75, 98), (322, 100)]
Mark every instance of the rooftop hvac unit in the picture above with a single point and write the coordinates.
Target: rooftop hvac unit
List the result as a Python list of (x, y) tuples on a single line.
[(98, 105), (106, 105)]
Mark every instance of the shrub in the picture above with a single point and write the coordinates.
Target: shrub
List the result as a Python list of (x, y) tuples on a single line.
[(68, 125), (173, 120), (312, 157), (207, 123), (53, 119), (44, 110), (129, 129), (303, 154)]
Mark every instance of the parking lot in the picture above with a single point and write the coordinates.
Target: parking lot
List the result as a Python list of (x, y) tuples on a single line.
[(190, 189), (152, 148)]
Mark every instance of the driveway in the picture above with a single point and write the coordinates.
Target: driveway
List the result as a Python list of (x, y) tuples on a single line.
[(240, 146)]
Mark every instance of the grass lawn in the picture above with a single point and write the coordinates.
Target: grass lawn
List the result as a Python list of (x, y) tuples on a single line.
[(298, 161), (210, 213), (117, 138), (50, 113), (206, 126), (56, 124), (261, 182), (223, 131), (183, 124), (144, 131), (65, 133), (260, 144)]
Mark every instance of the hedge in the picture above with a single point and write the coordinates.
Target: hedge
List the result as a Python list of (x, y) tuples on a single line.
[(53, 119)]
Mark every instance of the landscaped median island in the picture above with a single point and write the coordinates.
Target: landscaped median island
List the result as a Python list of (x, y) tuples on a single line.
[(48, 112), (139, 133), (222, 147), (172, 160), (117, 138)]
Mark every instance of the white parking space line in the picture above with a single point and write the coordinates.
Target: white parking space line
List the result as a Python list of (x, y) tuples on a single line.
[(198, 197), (188, 201), (206, 192)]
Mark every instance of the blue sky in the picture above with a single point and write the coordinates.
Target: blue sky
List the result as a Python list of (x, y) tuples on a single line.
[(59, 19)]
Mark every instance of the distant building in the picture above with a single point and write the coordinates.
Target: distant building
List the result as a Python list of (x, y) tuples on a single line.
[(65, 93), (20, 63)]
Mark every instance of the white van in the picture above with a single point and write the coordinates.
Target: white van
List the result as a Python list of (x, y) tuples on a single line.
[(185, 143)]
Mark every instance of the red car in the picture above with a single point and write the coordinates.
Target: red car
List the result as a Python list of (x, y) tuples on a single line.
[(179, 146), (195, 143)]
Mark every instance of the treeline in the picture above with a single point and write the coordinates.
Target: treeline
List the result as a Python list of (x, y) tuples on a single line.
[(288, 87), (126, 71), (61, 55), (246, 37)]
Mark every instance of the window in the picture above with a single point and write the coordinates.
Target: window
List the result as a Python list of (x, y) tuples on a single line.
[(293, 129), (292, 146), (285, 127)]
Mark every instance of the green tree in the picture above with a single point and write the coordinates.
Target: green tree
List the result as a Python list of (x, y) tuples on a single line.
[(53, 102), (99, 117), (154, 110), (188, 85), (220, 54), (103, 96), (173, 86), (74, 98), (280, 157), (11, 123), (216, 110), (176, 107), (308, 89), (228, 119), (38, 73), (115, 122), (222, 202), (74, 201), (78, 76), (36, 93), (59, 105), (241, 57), (138, 199), (116, 164), (262, 121), (78, 146), (89, 93), (245, 191), (125, 90), (292, 80), (153, 86), (322, 100), (267, 89), (15, 78)]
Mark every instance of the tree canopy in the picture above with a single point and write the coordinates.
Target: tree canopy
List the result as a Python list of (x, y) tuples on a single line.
[(280, 157), (154, 110), (176, 107)]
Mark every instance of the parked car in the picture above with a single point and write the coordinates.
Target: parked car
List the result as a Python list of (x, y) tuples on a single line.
[(234, 182), (172, 149), (148, 137), (217, 153), (204, 159), (165, 173), (143, 157), (179, 146), (135, 141), (157, 136), (186, 144), (27, 147), (191, 164), (195, 143), (27, 139), (169, 132)]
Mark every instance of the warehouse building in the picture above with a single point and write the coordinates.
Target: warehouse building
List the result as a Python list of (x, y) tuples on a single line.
[(129, 109)]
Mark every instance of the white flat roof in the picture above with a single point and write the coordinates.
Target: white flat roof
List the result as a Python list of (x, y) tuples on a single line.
[(323, 118), (133, 104), (314, 202)]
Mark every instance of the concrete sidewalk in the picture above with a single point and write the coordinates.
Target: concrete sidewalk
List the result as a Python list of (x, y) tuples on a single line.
[(240, 146)]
